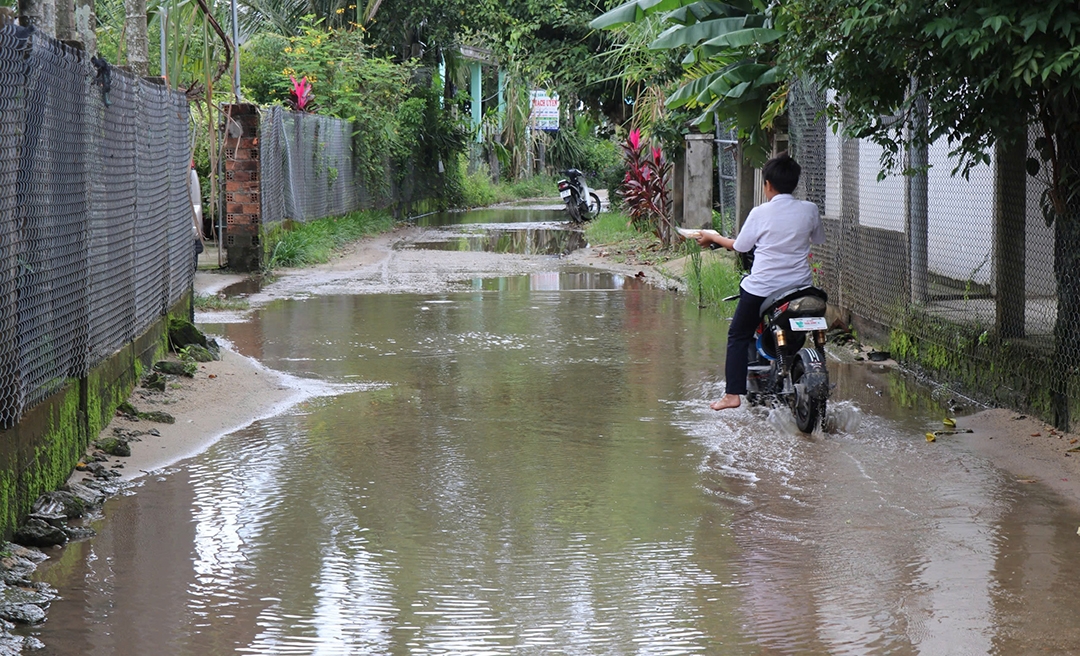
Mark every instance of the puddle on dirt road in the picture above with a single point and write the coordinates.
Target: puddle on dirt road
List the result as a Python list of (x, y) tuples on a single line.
[(247, 287), (504, 214), (547, 240), (532, 469), (525, 231), (566, 280)]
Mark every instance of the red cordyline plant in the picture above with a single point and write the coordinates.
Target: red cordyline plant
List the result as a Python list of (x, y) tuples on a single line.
[(301, 94), (645, 187)]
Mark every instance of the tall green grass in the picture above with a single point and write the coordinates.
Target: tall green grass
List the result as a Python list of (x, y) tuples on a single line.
[(304, 244), (710, 280), (478, 190), (610, 228)]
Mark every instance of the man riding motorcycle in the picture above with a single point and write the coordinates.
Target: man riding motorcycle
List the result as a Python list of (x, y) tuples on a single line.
[(780, 232)]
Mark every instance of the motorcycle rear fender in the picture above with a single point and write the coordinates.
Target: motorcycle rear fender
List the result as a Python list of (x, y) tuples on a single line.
[(815, 373)]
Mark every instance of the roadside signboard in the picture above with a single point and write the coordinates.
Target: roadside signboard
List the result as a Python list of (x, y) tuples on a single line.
[(545, 110)]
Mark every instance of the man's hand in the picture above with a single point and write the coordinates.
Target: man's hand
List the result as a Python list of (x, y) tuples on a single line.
[(709, 237)]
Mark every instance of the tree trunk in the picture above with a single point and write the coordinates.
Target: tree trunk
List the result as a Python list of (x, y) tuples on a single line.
[(136, 40), (1067, 272)]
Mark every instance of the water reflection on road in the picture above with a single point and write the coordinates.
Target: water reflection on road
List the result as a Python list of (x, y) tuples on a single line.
[(534, 471)]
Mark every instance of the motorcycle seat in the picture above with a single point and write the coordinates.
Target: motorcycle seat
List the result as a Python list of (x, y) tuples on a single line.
[(776, 298)]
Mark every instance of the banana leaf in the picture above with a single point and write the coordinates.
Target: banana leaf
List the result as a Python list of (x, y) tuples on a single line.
[(689, 35), (744, 38)]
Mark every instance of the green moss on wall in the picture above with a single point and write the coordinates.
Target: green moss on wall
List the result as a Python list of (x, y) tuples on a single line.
[(40, 452), (1010, 373)]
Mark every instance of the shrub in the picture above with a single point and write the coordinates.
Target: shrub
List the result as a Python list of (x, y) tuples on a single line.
[(645, 187)]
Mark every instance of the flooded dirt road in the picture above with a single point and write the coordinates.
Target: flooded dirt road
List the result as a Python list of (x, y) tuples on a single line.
[(523, 462)]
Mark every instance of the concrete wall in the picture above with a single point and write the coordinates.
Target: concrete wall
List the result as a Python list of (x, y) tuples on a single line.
[(40, 452)]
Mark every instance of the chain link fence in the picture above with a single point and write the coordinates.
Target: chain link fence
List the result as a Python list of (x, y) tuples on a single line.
[(958, 272), (96, 236), (727, 173), (310, 168)]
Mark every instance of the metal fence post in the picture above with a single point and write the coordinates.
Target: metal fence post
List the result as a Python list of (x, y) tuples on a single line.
[(744, 187), (917, 210)]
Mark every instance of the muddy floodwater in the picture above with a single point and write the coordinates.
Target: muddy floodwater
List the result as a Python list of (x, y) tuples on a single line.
[(527, 465)]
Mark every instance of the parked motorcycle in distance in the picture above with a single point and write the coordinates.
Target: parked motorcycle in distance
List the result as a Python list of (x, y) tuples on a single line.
[(581, 203), (787, 358)]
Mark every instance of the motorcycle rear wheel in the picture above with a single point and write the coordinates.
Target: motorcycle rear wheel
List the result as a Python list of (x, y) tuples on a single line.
[(594, 205), (807, 410), (573, 211)]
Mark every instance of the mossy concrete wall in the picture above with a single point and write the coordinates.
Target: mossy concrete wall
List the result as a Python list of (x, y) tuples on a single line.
[(1010, 373), (39, 453)]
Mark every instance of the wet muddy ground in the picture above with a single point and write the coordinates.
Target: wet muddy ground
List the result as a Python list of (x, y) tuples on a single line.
[(518, 458)]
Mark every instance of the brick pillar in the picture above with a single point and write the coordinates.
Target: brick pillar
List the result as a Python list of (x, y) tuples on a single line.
[(243, 212)]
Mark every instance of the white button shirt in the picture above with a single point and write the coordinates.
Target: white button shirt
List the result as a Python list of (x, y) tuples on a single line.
[(782, 231)]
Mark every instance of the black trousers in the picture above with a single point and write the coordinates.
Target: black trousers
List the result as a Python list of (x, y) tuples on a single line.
[(740, 336)]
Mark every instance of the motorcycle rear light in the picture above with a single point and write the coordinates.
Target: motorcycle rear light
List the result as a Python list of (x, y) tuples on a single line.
[(808, 305)]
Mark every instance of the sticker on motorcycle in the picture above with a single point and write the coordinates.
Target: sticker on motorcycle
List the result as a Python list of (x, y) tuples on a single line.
[(809, 323)]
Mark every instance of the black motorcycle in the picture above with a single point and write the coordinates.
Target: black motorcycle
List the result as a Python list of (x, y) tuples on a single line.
[(581, 204), (787, 358)]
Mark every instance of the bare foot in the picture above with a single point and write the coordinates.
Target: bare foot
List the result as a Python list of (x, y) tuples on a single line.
[(727, 402)]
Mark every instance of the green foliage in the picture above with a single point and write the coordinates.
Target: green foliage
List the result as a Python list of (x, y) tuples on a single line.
[(617, 237), (402, 129), (980, 67), (315, 242), (580, 148), (262, 60), (284, 17), (567, 150), (551, 44), (478, 189), (732, 70)]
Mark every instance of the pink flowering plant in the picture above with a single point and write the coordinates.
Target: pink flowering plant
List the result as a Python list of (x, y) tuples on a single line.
[(301, 95), (645, 187)]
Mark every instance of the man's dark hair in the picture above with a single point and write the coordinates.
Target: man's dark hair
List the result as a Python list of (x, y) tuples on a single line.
[(783, 172)]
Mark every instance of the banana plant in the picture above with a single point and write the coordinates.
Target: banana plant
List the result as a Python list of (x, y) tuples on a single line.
[(730, 65)]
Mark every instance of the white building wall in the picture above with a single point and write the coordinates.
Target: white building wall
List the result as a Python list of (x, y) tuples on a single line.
[(881, 204), (960, 240)]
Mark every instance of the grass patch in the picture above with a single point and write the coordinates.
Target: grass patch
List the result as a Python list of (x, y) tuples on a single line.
[(710, 281), (310, 243), (614, 235), (610, 228), (216, 302), (477, 189)]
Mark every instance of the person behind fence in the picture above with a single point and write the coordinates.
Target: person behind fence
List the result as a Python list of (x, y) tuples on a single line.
[(780, 232), (195, 195)]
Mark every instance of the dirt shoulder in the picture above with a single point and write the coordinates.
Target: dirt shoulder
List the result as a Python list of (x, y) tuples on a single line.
[(1023, 446), (222, 397)]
